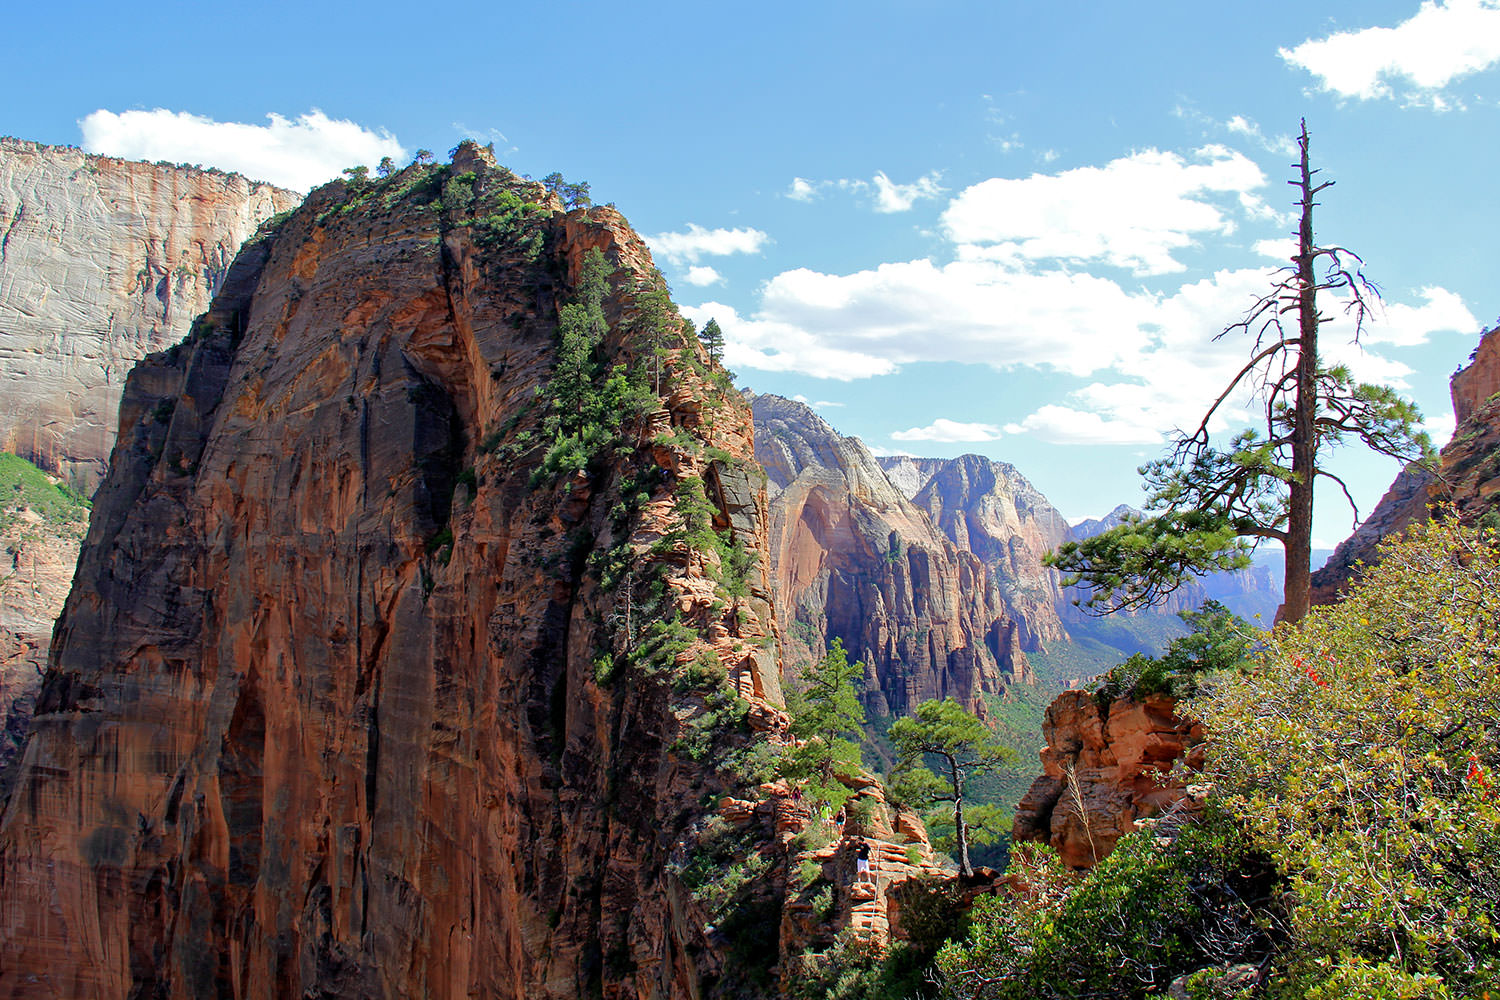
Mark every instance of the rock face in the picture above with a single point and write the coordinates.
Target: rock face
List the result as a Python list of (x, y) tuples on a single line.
[(852, 558), (1466, 482), (1101, 770), (101, 262), (338, 706), (988, 508), (40, 550)]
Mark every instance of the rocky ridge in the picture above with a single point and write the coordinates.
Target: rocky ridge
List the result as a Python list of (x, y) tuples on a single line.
[(852, 557), (338, 704), (1466, 482), (101, 262)]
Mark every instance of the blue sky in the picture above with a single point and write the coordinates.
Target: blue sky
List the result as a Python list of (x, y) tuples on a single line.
[(1001, 227)]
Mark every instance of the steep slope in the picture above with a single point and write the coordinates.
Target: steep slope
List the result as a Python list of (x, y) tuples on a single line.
[(339, 705), (853, 558), (1466, 481), (988, 508), (41, 526), (101, 262)]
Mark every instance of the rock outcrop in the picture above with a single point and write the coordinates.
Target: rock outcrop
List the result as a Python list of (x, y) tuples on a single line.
[(1466, 482), (339, 705), (1103, 770), (101, 262), (852, 558)]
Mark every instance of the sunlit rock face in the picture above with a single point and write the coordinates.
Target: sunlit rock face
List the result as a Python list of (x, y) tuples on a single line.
[(1104, 769), (101, 262), (853, 558), (325, 714), (1465, 484)]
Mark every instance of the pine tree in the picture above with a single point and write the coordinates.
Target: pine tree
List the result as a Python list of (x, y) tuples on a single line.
[(1215, 505)]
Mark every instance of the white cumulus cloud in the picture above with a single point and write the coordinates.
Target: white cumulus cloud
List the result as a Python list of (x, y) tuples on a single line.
[(702, 275), (298, 153), (692, 245), (1133, 212), (1442, 42), (949, 431), (893, 197), (1064, 425)]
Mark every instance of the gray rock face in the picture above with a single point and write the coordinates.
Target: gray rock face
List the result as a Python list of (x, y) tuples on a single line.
[(101, 262)]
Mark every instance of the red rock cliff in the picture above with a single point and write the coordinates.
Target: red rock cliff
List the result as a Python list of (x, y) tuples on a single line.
[(338, 706), (1102, 771), (853, 558)]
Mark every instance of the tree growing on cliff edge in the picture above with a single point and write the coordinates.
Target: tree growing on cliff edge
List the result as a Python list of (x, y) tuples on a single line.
[(1216, 504), (825, 713), (963, 747)]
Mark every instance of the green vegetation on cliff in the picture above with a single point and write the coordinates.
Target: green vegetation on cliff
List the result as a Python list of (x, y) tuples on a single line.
[(1349, 845), (53, 507)]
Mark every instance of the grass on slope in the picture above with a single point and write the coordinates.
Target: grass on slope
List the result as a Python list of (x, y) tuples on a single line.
[(24, 487)]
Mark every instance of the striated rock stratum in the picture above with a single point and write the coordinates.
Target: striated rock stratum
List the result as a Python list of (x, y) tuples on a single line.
[(338, 705), (853, 558), (101, 262)]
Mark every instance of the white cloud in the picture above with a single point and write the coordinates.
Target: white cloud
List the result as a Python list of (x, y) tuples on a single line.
[(1405, 325), (1282, 144), (888, 196), (1065, 425), (297, 153), (893, 197), (697, 242), (1440, 427), (1442, 42), (802, 189), (949, 431), (702, 275), (1134, 212)]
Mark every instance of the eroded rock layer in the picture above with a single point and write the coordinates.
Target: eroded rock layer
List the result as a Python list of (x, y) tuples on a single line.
[(852, 558), (338, 706), (1466, 482), (101, 262), (1103, 768)]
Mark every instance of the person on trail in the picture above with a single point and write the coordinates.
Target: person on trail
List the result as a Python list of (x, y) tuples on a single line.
[(862, 871), (838, 821)]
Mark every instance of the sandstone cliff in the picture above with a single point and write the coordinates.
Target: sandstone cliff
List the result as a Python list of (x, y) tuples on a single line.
[(1102, 771), (101, 262), (339, 705), (1466, 481), (990, 509), (853, 558), (41, 527)]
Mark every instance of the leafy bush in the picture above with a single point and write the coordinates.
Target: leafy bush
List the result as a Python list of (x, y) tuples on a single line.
[(1361, 754), (1219, 640), (1156, 908)]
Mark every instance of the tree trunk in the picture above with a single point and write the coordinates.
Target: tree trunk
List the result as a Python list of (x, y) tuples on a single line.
[(1297, 582), (960, 834)]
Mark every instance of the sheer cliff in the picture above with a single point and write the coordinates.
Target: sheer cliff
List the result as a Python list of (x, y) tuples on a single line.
[(990, 509), (853, 558), (395, 665), (1466, 481), (101, 262)]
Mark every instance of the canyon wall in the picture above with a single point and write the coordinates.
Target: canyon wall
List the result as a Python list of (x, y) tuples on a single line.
[(990, 509), (101, 262), (853, 558), (339, 704), (1465, 482)]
